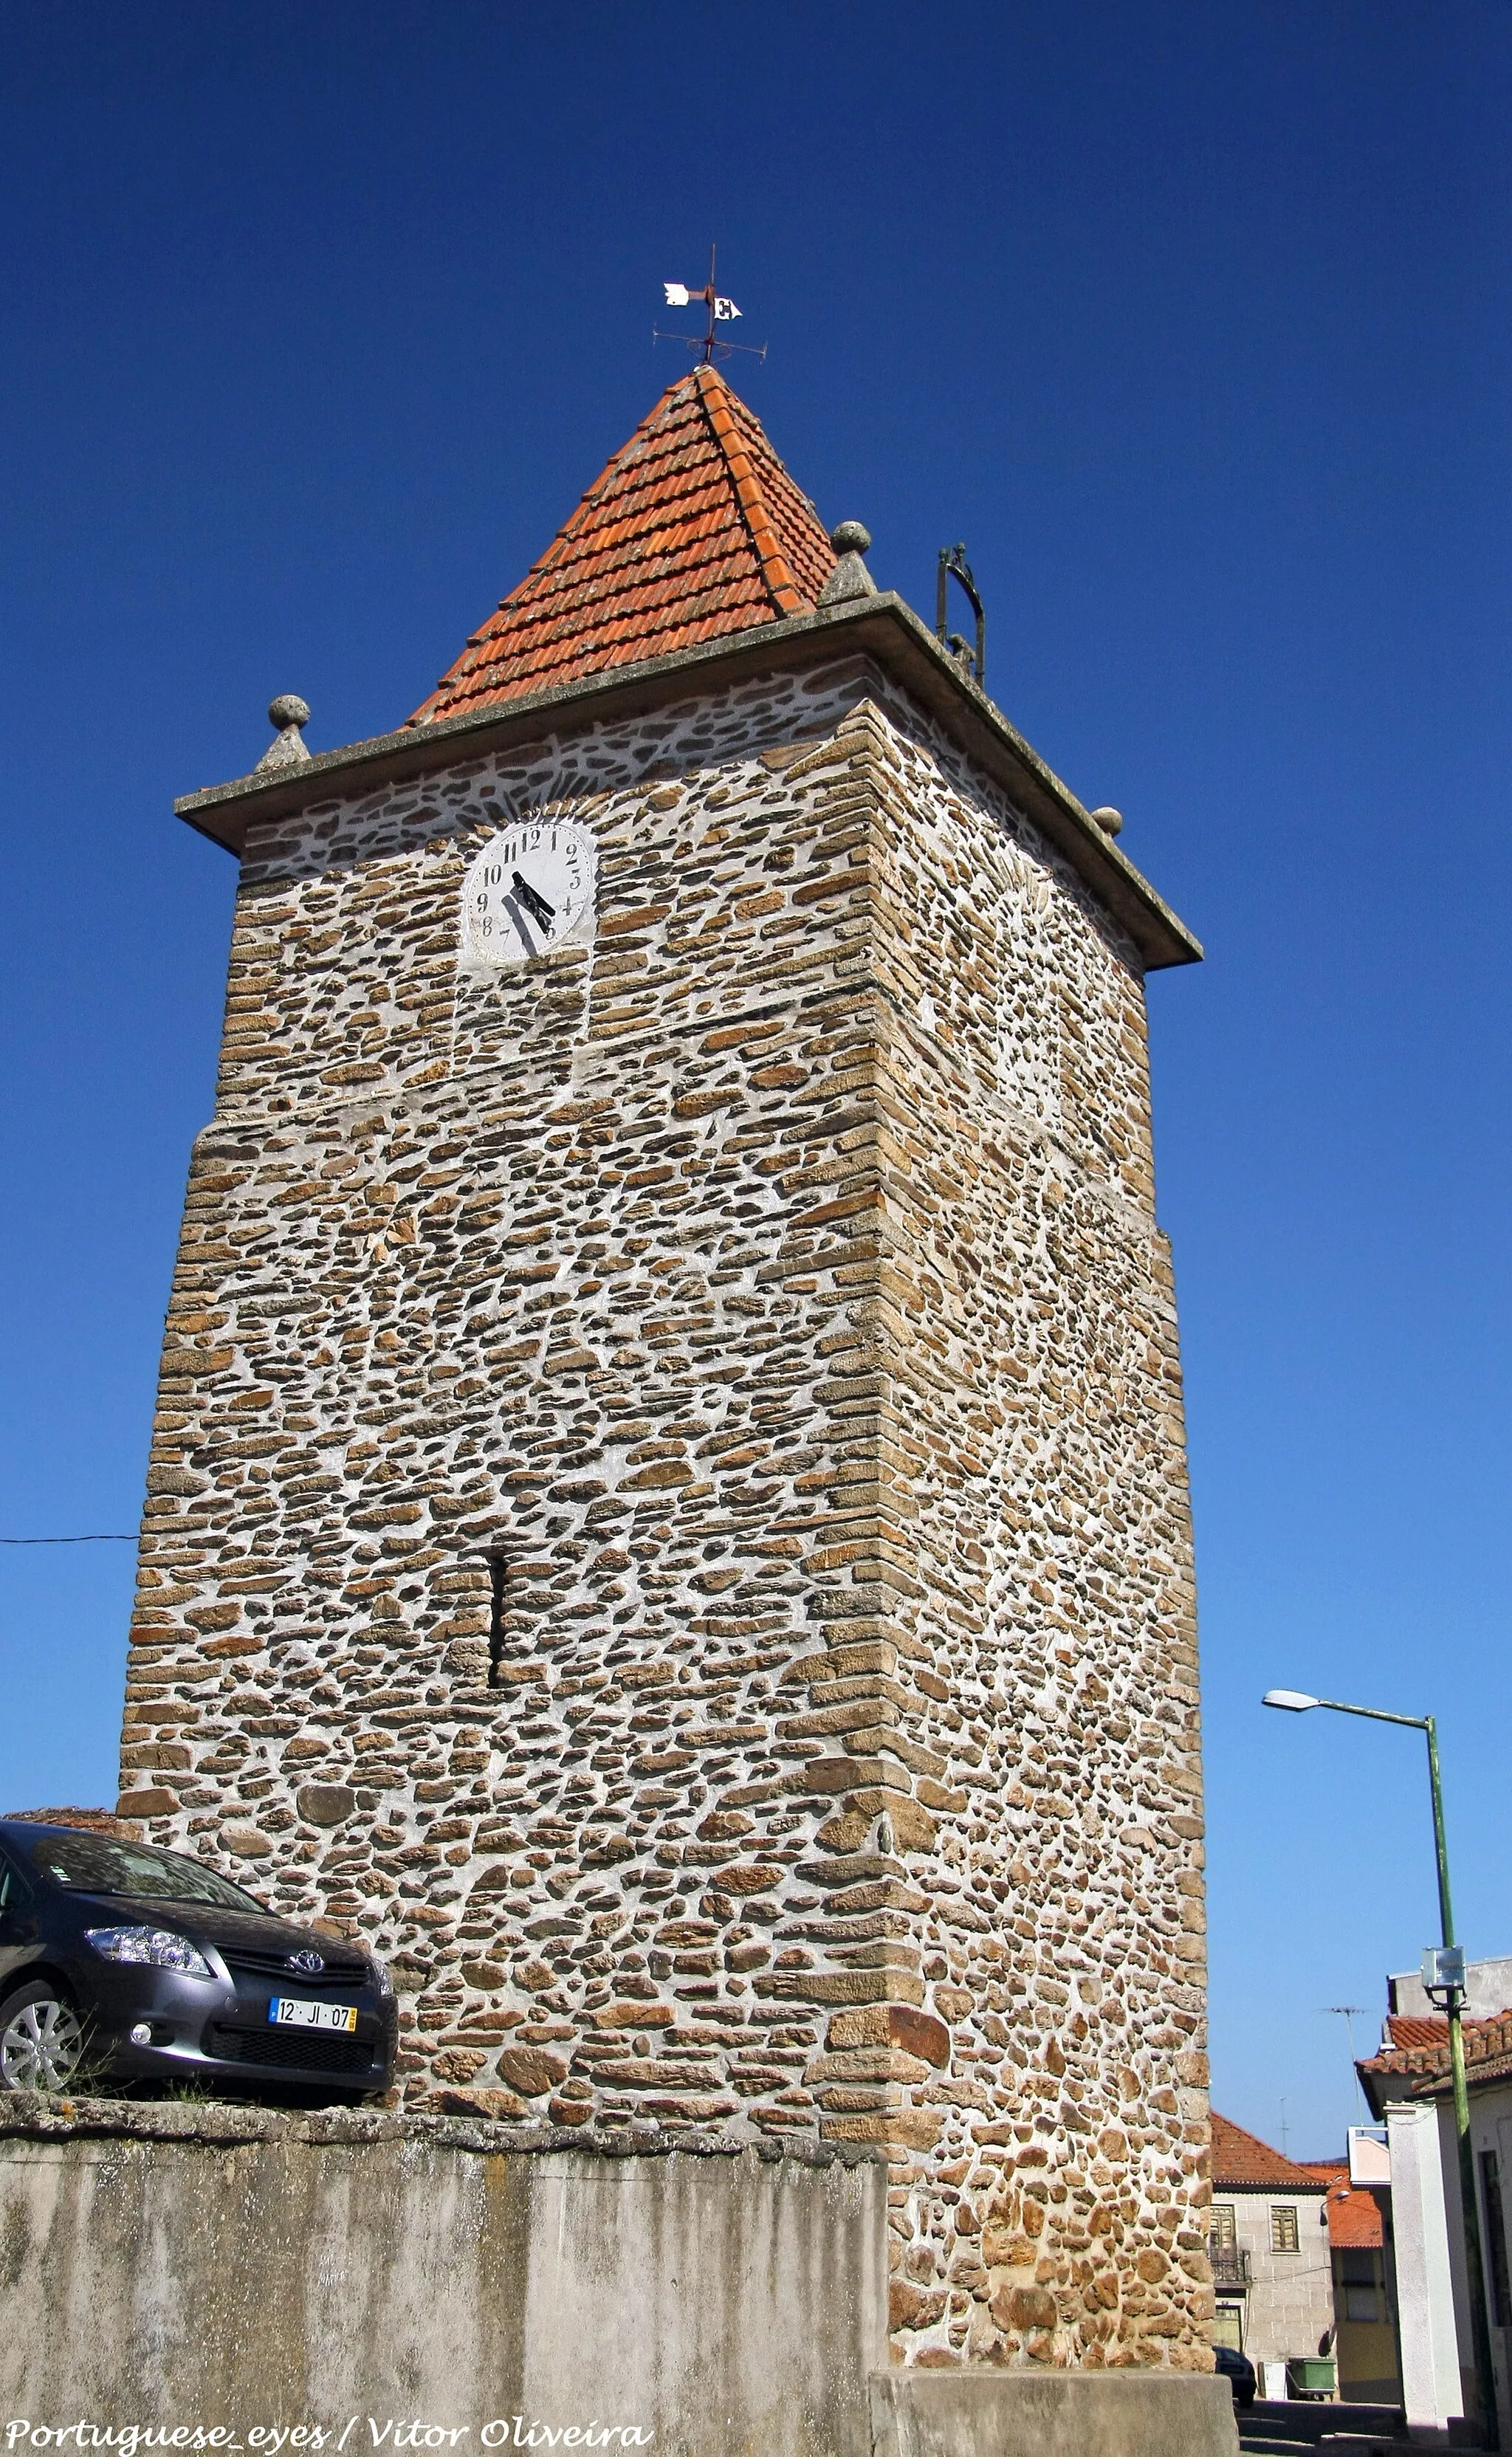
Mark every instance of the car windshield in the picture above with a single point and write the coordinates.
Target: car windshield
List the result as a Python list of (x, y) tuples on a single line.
[(98, 1864)]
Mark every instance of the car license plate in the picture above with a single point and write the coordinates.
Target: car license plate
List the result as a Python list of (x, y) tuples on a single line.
[(306, 2015)]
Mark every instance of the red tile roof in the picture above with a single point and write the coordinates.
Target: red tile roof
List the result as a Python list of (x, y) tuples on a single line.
[(1420, 2050), (1240, 2158), (1418, 2030), (1354, 2218), (693, 530), (1352, 2213)]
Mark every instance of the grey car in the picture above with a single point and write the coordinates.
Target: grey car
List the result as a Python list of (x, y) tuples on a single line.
[(122, 1962)]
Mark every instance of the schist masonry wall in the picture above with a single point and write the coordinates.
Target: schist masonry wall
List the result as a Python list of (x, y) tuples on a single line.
[(667, 1507)]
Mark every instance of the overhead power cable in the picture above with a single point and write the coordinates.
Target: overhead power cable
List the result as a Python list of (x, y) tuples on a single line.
[(68, 1540)]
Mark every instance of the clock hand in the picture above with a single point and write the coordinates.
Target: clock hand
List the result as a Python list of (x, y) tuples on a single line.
[(535, 904)]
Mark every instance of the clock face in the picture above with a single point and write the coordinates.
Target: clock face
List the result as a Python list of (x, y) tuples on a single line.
[(531, 889)]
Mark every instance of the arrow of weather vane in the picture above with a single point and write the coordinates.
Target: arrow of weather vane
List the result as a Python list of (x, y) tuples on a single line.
[(679, 295), (710, 345)]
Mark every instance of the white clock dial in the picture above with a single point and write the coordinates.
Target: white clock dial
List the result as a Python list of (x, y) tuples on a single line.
[(531, 889)]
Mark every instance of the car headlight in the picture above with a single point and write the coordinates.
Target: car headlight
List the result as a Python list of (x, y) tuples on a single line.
[(158, 1945), (381, 1978)]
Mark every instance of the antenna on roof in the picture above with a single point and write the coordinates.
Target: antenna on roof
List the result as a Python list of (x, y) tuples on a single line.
[(1349, 2013), (711, 345)]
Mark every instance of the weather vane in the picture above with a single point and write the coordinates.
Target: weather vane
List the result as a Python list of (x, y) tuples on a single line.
[(711, 345)]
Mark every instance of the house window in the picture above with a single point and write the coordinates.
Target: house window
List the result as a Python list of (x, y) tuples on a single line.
[(1284, 2236), (1223, 2231), (1496, 2239), (1361, 2304), (1357, 2284)]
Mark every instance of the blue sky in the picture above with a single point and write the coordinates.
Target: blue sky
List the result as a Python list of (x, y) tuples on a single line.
[(1193, 324)]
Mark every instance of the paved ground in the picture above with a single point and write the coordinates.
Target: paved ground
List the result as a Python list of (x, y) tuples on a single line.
[(1298, 2427)]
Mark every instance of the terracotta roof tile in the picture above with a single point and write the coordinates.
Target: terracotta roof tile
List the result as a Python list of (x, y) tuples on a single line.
[(1418, 2030), (1419, 2051), (1240, 2157), (694, 529), (1354, 2218)]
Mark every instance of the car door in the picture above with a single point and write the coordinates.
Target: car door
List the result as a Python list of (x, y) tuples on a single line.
[(18, 1921)]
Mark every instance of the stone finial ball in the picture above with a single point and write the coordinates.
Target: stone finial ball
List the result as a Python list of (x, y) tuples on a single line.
[(850, 538), (1107, 819), (288, 709)]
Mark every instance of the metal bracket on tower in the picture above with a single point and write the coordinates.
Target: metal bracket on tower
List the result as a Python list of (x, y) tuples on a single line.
[(953, 565)]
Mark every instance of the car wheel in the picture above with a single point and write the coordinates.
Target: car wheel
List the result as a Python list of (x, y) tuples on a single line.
[(41, 2038)]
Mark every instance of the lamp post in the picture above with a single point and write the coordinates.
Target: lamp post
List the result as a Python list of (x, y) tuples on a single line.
[(1449, 1983)]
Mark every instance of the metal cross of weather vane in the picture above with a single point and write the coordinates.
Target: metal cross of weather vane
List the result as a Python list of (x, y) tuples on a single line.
[(710, 345)]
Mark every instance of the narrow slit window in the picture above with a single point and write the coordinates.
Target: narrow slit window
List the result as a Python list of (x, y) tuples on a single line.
[(497, 1572)]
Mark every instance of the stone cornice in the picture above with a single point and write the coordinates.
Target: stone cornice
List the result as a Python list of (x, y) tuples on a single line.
[(882, 628)]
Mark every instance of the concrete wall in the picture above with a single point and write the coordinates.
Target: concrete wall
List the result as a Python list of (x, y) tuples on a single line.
[(1423, 2188), (193, 2266), (1429, 2257), (1042, 2413)]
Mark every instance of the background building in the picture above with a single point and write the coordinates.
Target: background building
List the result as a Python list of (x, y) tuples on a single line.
[(1407, 2083), (1364, 2288), (1272, 2264)]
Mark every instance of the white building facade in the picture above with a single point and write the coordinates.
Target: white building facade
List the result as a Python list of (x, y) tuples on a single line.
[(1408, 2086)]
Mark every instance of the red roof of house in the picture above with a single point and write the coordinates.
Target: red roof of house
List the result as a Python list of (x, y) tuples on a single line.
[(1418, 2030), (1420, 2050), (693, 530), (1354, 2218), (1240, 2158)]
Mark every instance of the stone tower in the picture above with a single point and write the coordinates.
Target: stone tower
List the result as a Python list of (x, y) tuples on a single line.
[(667, 1510)]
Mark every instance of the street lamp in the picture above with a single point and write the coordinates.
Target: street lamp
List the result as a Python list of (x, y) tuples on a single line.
[(1443, 1974)]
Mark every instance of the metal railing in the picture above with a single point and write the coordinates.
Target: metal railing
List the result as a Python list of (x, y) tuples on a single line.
[(1230, 2267)]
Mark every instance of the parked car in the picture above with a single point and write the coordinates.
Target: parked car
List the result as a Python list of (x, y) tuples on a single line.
[(1238, 2371), (121, 1961)]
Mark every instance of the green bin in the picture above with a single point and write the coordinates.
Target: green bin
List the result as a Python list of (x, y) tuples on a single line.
[(1310, 2376)]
